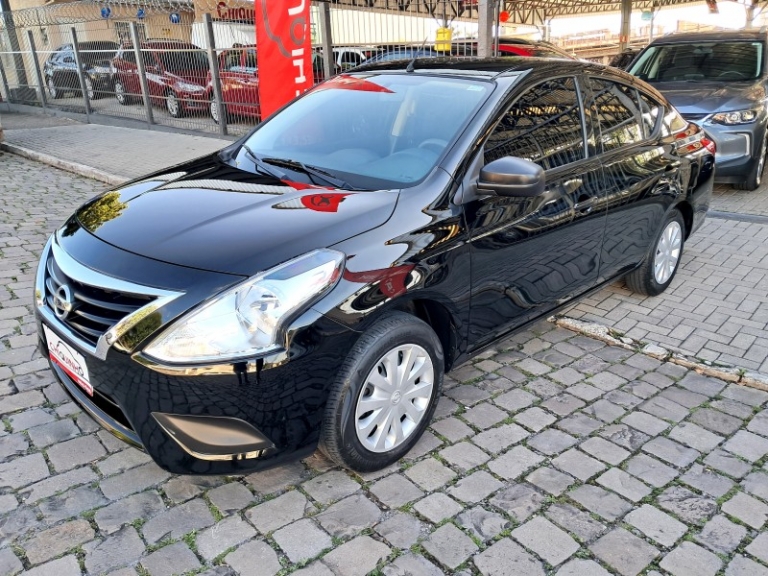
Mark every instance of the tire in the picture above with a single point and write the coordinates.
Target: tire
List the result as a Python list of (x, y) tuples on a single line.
[(122, 97), (52, 89), (90, 90), (173, 105), (650, 279), (362, 376), (755, 177), (213, 110)]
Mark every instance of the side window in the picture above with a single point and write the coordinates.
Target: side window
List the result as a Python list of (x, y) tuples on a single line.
[(128, 55), (232, 61), (651, 112), (149, 59), (251, 63), (68, 57), (544, 125), (617, 113)]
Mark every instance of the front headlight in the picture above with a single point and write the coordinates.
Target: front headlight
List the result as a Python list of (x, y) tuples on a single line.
[(192, 88), (736, 117), (249, 318)]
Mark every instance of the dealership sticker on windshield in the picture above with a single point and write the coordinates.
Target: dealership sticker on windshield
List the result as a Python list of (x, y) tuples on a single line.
[(68, 359)]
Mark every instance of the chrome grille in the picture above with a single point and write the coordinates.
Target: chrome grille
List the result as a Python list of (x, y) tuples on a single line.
[(94, 310)]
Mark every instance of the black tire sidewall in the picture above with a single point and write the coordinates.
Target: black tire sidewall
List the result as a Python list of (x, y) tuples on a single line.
[(364, 357), (674, 216)]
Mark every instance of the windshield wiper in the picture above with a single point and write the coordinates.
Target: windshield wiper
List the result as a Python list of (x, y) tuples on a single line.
[(261, 165), (311, 171)]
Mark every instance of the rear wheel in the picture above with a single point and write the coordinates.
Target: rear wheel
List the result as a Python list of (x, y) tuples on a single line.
[(385, 394), (173, 105), (663, 259), (214, 110), (755, 177), (53, 90), (122, 97), (89, 89)]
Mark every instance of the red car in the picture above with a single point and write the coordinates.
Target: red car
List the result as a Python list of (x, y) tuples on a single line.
[(176, 71), (510, 46), (238, 70)]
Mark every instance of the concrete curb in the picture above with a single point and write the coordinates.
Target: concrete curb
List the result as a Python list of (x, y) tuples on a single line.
[(74, 167), (716, 370)]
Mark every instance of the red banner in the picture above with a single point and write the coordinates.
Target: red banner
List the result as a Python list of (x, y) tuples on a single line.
[(284, 47)]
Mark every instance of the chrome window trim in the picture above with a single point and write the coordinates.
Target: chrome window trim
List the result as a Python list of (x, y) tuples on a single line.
[(81, 273)]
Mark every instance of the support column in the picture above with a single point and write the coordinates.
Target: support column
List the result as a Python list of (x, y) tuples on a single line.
[(626, 14), (485, 11)]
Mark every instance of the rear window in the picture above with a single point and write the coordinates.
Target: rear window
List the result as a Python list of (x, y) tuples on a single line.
[(728, 61)]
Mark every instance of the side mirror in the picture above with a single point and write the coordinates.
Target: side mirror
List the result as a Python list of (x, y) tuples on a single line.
[(510, 176)]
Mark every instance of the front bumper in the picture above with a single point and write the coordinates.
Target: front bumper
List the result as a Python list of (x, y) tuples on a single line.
[(737, 149), (193, 102), (226, 419)]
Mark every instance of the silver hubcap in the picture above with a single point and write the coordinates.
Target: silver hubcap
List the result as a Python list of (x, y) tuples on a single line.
[(394, 398), (51, 87), (89, 88), (214, 111), (119, 94), (668, 252), (761, 162), (173, 104)]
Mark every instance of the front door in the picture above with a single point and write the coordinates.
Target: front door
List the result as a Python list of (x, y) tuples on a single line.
[(529, 255)]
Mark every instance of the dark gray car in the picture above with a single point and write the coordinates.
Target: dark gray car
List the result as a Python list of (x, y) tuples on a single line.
[(717, 80)]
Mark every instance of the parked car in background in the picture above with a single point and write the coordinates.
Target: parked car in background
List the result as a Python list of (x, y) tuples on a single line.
[(60, 69), (177, 75), (312, 282), (348, 57), (624, 58), (401, 53), (718, 80), (511, 46)]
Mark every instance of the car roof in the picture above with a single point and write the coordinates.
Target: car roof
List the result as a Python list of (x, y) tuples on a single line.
[(719, 36)]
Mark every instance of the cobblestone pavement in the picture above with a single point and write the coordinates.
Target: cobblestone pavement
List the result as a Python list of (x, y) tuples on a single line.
[(553, 454), (727, 199)]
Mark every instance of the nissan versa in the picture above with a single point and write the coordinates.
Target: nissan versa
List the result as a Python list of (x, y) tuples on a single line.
[(311, 283)]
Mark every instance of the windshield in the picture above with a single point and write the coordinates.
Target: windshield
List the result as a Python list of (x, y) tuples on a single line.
[(184, 60), (373, 131), (699, 62)]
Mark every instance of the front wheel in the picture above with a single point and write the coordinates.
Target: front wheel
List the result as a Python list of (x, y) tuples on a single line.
[(663, 259), (173, 105), (53, 91), (755, 177), (214, 110), (122, 97), (384, 395)]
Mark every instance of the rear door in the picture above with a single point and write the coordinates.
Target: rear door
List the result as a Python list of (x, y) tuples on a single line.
[(529, 255)]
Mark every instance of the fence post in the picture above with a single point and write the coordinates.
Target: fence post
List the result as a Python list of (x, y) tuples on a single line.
[(485, 9), (41, 86), (5, 85), (326, 35), (142, 74), (213, 63), (80, 77)]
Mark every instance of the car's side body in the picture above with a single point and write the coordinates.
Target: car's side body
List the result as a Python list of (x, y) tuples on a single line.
[(60, 69)]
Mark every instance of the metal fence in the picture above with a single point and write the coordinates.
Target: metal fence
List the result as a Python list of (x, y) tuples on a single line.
[(192, 64)]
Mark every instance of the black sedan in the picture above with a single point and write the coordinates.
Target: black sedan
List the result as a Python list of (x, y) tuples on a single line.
[(312, 283), (60, 69)]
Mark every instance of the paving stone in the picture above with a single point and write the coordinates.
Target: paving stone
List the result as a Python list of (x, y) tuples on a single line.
[(546, 540), (277, 479), (254, 558), (643, 362), (727, 463), (624, 436), (401, 530), (759, 547), (71, 503), (645, 423), (736, 409), (716, 421), (20, 400), (745, 395), (745, 508), (575, 521), (498, 439), (430, 474), (73, 453), (143, 506), (756, 484), (563, 404), (357, 557), (688, 559), (467, 394), (579, 424), (475, 487), (578, 464), (177, 521), (658, 526), (664, 409), (274, 514), (514, 463), (437, 507), (53, 433), (605, 411), (55, 541), (452, 429), (707, 481), (695, 436), (518, 501), (624, 552), (624, 399), (531, 366), (606, 381), (464, 456), (505, 558), (331, 486), (702, 384), (482, 523), (582, 568), (132, 481), (23, 471), (123, 460), (721, 535), (515, 400), (30, 419), (604, 450), (626, 372), (683, 397), (182, 488), (11, 565), (535, 419), (411, 565), (66, 566), (550, 480), (301, 540), (544, 388), (602, 503), (686, 505), (484, 415), (624, 484), (395, 491), (449, 546), (8, 502), (230, 497), (445, 407), (174, 559), (747, 445), (671, 452), (643, 389), (123, 548), (585, 391), (12, 444), (741, 566), (222, 536), (551, 442)]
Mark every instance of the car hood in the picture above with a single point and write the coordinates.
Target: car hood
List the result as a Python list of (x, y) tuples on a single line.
[(710, 97), (211, 216)]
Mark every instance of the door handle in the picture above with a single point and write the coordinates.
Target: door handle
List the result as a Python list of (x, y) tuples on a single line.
[(572, 185), (585, 204)]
